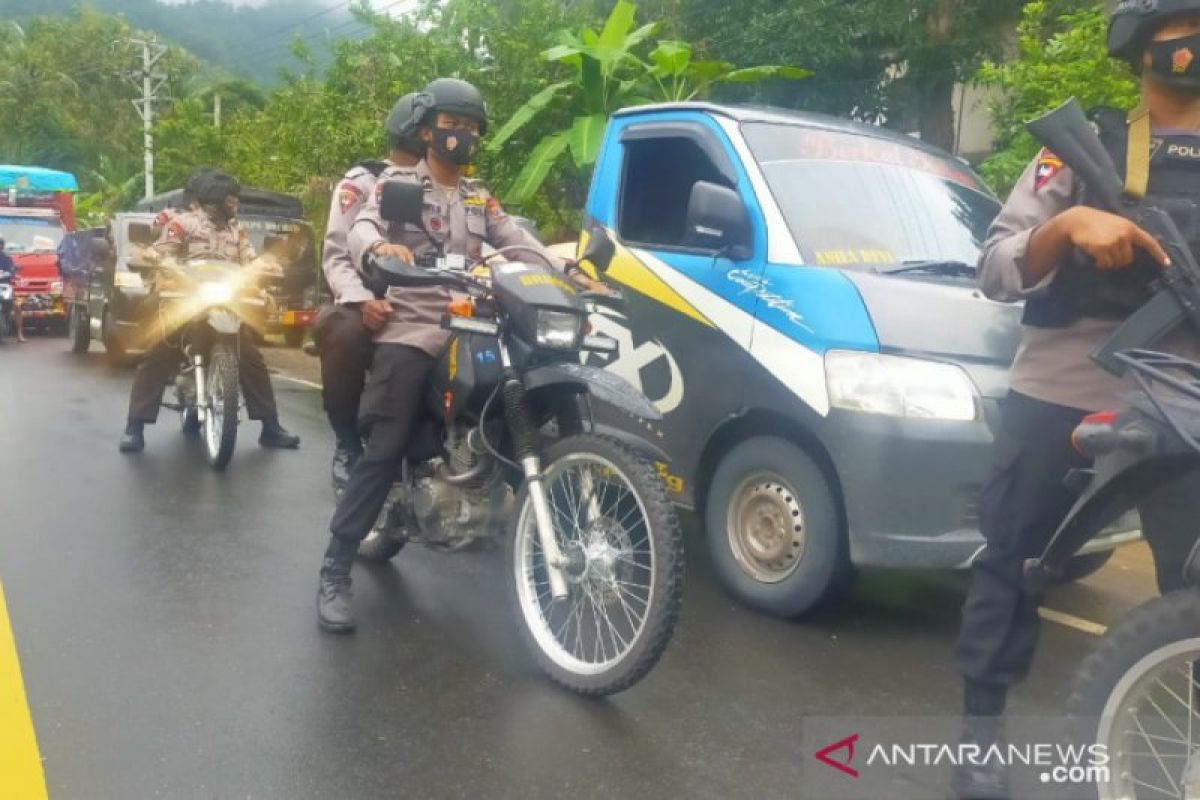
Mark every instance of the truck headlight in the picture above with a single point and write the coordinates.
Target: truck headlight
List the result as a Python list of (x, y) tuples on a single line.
[(874, 383), (216, 292), (56, 287), (558, 330)]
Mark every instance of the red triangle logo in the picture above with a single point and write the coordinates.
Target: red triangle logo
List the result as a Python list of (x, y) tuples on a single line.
[(825, 755)]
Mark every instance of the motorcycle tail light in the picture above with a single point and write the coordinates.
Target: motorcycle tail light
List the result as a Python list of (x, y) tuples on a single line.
[(463, 307), (1095, 434)]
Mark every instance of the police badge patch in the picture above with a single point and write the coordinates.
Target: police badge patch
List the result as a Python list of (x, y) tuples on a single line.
[(1048, 165), (348, 195)]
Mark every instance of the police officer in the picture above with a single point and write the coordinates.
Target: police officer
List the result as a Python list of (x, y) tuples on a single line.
[(1080, 271), (344, 329), (209, 231), (461, 216)]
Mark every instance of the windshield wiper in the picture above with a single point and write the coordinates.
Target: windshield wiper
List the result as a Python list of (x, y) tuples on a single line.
[(935, 266)]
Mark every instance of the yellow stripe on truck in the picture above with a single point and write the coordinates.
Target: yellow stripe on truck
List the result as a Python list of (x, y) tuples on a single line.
[(628, 269), (21, 776)]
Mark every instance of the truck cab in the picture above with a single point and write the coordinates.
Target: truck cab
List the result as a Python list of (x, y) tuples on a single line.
[(803, 310), (36, 212)]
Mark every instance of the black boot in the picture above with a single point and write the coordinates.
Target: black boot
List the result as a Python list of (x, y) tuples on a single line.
[(133, 441), (275, 435), (345, 456), (983, 726), (334, 614)]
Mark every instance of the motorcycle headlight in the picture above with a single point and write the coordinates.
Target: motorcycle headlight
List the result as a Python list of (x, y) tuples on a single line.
[(874, 383), (216, 292), (558, 330)]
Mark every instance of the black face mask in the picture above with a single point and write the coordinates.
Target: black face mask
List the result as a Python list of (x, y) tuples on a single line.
[(456, 145), (1176, 62)]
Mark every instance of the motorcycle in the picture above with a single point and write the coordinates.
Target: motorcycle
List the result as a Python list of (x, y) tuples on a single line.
[(201, 309), (1137, 693), (509, 451)]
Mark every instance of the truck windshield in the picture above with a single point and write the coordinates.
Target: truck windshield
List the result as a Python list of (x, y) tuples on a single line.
[(287, 242), (860, 202), (30, 234)]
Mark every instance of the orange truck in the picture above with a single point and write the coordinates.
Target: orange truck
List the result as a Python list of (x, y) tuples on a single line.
[(37, 209)]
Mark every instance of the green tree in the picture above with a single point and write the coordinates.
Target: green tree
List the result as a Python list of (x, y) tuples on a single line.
[(1061, 54), (887, 61), (610, 70)]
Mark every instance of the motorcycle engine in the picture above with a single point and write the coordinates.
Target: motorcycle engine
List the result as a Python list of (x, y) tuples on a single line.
[(454, 515)]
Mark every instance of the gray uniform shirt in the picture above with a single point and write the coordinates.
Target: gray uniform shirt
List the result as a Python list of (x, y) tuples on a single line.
[(462, 219), (1053, 364), (341, 271)]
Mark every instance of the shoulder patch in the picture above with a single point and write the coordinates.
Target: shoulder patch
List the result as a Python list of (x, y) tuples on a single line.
[(348, 195), (1048, 166), (494, 209)]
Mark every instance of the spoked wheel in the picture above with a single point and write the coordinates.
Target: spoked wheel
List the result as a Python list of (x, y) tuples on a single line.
[(1139, 696), (221, 421), (621, 538)]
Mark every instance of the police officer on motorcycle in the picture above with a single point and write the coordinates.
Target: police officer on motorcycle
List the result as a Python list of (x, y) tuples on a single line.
[(1080, 271), (460, 216), (344, 329), (211, 230)]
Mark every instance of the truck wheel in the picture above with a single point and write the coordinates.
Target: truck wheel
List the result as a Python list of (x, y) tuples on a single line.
[(294, 337), (774, 530), (112, 345), (77, 329)]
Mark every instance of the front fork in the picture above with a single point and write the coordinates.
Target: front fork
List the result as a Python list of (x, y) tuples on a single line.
[(526, 446), (201, 387)]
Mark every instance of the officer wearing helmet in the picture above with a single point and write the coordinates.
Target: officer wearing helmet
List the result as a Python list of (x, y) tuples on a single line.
[(344, 329), (1080, 272), (460, 217), (210, 229)]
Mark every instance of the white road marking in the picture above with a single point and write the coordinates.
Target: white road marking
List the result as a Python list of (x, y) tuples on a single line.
[(300, 381), (1072, 621)]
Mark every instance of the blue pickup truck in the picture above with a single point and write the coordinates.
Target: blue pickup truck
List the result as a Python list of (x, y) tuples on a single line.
[(804, 312)]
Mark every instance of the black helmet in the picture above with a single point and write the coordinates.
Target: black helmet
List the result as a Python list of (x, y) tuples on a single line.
[(452, 96), (402, 125), (1134, 22), (209, 186)]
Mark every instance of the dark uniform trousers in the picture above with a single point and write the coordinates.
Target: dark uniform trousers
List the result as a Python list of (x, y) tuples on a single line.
[(160, 362), (392, 405), (345, 345), (1022, 504)]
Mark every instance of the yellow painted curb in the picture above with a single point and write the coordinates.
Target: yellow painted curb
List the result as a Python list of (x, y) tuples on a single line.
[(21, 776)]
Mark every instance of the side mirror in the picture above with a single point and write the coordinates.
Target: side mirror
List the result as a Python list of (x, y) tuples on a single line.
[(402, 202), (600, 249), (718, 220)]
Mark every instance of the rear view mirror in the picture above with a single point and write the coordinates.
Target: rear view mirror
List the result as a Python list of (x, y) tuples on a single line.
[(600, 249), (402, 202), (717, 220)]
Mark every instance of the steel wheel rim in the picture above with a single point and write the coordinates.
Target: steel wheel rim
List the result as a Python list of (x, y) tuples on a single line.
[(1141, 719), (765, 528), (214, 419), (615, 605)]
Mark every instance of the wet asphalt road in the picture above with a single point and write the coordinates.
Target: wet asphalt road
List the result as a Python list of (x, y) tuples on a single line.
[(164, 618)]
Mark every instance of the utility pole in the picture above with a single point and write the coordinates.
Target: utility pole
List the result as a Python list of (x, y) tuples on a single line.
[(216, 109), (151, 82)]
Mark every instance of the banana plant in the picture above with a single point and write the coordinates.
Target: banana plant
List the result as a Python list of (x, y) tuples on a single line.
[(609, 74)]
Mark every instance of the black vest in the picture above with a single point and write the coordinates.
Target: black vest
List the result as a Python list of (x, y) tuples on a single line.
[(1079, 289)]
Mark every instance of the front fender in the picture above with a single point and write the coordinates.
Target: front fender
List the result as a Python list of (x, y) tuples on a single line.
[(608, 387), (223, 321)]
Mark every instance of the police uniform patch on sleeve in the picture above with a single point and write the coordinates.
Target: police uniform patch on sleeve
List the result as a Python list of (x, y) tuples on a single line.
[(348, 195), (1048, 165), (494, 209), (175, 230)]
